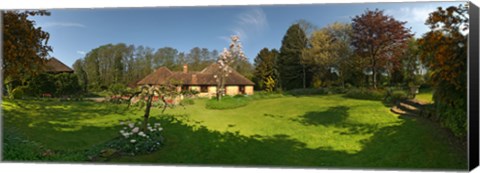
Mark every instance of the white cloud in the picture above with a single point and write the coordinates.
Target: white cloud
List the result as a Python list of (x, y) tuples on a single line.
[(414, 16), (248, 24), (64, 24), (81, 52)]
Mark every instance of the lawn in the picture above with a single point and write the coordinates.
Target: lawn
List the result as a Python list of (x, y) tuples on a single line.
[(313, 131), (425, 95)]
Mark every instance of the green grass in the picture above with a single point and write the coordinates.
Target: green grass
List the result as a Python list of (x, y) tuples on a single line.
[(425, 95), (318, 131), (227, 103)]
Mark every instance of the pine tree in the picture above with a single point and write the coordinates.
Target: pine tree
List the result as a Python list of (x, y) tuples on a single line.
[(293, 74)]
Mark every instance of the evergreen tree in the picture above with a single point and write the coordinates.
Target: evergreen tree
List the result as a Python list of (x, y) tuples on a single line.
[(265, 68), (293, 74)]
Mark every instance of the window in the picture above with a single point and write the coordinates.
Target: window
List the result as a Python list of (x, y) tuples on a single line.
[(203, 89), (184, 87), (241, 89)]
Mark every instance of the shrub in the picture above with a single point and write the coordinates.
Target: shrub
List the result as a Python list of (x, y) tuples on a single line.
[(337, 90), (365, 94), (18, 92), (227, 102), (134, 141), (307, 91), (265, 95), (67, 84), (41, 84), (399, 95), (17, 148)]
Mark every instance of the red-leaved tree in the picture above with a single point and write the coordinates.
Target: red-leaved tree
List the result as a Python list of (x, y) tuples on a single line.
[(379, 38)]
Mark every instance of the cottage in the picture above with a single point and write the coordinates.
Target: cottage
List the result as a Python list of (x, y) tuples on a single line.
[(203, 81), (55, 66)]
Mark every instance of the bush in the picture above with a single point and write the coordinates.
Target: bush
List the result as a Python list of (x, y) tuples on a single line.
[(227, 102), (18, 92), (365, 94), (17, 148), (399, 95), (41, 84), (307, 91), (67, 84), (337, 90), (133, 141), (265, 95)]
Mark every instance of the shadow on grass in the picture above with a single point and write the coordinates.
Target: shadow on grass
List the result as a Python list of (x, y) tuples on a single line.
[(63, 125), (410, 144), (400, 146), (332, 116)]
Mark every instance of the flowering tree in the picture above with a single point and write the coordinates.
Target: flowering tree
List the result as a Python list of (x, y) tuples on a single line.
[(146, 96), (226, 58)]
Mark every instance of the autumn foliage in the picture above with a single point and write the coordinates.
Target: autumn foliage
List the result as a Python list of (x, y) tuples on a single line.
[(25, 46), (380, 39), (444, 52)]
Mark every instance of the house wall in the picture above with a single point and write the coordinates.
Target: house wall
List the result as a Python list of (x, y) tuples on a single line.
[(232, 90), (249, 90), (194, 88), (212, 90)]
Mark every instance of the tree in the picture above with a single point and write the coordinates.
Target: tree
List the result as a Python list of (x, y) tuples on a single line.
[(444, 51), (146, 96), (292, 72), (322, 56), (227, 58), (265, 69), (165, 57), (330, 53), (412, 66), (66, 84), (379, 38), (79, 70), (25, 47)]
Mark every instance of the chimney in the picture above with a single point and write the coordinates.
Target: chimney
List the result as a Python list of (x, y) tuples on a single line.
[(194, 79), (185, 68)]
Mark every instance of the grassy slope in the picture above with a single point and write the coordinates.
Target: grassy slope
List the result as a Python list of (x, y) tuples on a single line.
[(425, 95), (327, 131)]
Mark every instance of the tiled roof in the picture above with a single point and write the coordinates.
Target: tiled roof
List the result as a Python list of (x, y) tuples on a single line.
[(204, 77), (53, 65)]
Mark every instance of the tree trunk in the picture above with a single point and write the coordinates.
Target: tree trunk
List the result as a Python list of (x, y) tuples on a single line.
[(304, 77), (374, 73), (147, 112)]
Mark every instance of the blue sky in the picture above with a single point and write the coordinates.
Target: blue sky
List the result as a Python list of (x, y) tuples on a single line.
[(74, 32)]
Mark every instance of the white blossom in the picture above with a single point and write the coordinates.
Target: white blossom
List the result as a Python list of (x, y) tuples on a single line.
[(135, 130), (133, 141)]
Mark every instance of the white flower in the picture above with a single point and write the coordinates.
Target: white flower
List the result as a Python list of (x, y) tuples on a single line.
[(135, 130), (157, 124), (133, 141), (141, 133), (121, 122), (131, 125), (122, 131), (160, 129), (126, 135)]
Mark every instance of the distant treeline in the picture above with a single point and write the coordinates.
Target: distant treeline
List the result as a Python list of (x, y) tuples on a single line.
[(126, 64)]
